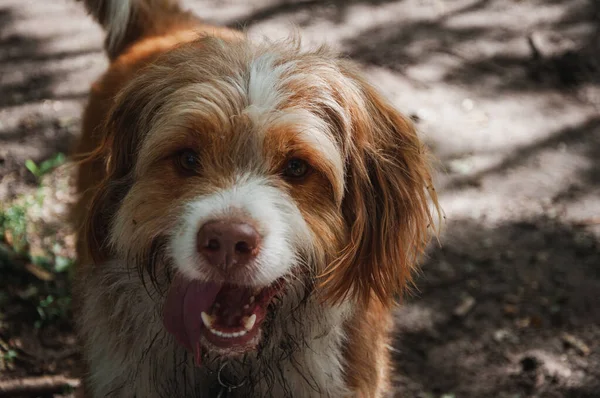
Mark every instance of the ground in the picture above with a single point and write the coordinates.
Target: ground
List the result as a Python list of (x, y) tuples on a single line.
[(505, 92)]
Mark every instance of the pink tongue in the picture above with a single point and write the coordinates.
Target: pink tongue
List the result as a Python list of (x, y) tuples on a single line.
[(181, 314)]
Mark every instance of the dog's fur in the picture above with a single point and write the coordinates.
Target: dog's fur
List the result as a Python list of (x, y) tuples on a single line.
[(345, 238)]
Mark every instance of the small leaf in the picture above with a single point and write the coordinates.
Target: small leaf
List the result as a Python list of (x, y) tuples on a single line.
[(32, 167), (47, 301), (10, 355), (62, 264), (52, 163)]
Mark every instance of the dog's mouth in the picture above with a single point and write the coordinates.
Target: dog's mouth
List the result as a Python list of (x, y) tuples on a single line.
[(223, 317)]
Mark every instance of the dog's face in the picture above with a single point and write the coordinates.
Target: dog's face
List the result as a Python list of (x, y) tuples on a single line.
[(236, 171)]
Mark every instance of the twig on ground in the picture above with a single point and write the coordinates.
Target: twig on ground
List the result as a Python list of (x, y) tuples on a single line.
[(587, 222), (34, 386)]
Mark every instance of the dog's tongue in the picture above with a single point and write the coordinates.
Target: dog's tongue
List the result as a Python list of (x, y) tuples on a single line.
[(181, 314)]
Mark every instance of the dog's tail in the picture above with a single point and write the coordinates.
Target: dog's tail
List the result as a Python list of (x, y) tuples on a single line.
[(126, 21)]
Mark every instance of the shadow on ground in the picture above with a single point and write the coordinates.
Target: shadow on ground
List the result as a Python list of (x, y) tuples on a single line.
[(333, 10), (582, 140), (529, 295), (20, 54), (32, 125), (473, 47)]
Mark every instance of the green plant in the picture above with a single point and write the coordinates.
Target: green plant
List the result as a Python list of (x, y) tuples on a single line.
[(10, 355), (62, 264), (52, 309), (13, 224), (34, 257), (46, 166)]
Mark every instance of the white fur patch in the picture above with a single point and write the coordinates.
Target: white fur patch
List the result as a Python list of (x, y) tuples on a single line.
[(264, 88), (279, 222)]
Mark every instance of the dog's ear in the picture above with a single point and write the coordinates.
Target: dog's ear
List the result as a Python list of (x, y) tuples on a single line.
[(386, 205), (117, 155)]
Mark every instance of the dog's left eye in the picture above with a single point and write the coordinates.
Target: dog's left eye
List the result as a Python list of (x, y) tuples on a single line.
[(187, 161), (296, 168)]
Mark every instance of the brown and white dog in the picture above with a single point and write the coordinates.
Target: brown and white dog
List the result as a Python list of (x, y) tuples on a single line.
[(247, 215)]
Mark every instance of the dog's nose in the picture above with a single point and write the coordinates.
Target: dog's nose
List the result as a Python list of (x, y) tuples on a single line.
[(228, 244)]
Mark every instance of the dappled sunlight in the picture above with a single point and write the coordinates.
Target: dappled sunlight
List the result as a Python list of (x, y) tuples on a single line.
[(506, 93)]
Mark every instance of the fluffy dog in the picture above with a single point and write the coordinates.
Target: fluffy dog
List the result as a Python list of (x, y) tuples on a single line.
[(248, 214)]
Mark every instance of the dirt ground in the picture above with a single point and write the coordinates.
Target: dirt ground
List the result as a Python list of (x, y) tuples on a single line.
[(506, 93)]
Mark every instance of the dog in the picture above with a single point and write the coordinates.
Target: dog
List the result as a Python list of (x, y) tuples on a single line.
[(248, 215)]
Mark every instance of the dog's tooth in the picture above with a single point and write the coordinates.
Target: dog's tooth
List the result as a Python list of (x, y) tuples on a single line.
[(246, 306), (207, 320), (228, 335), (249, 322), (251, 299)]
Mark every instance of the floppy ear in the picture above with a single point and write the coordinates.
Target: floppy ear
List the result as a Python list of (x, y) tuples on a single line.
[(105, 198), (116, 154), (386, 204)]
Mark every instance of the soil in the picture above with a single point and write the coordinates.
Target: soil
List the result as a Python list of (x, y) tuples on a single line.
[(507, 95)]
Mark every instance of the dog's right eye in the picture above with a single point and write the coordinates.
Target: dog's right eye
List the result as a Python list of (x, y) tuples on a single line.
[(187, 162)]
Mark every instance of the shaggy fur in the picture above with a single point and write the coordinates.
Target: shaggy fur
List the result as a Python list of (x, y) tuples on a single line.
[(345, 237)]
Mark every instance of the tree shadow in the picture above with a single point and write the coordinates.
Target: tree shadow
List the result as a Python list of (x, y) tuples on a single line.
[(530, 282), (397, 46), (21, 57), (30, 72), (333, 10), (582, 140)]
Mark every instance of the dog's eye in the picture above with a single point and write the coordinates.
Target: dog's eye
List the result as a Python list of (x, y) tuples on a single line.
[(187, 161), (296, 168)]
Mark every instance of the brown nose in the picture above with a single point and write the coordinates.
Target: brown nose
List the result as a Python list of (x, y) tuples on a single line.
[(228, 244)]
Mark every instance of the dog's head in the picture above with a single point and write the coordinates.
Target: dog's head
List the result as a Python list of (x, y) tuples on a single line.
[(236, 170)]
